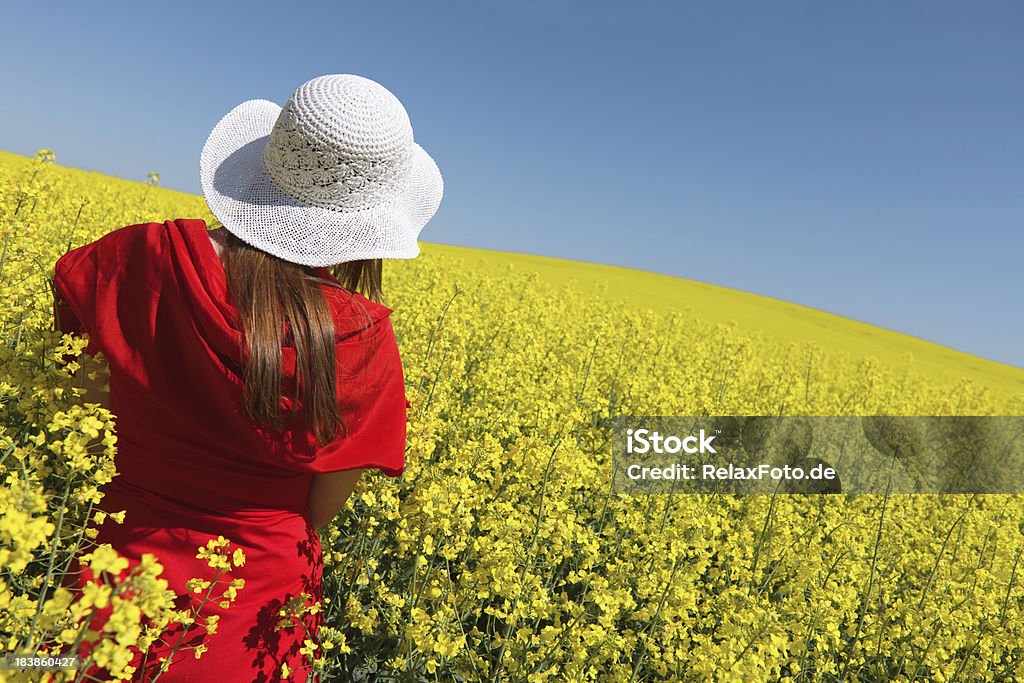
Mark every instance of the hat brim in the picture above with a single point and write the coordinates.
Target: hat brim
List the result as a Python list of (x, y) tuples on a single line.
[(243, 198)]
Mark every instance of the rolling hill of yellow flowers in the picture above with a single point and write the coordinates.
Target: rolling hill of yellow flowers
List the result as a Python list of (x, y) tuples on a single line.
[(501, 553), (754, 314)]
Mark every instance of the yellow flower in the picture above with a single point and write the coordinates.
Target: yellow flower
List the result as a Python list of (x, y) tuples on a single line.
[(308, 648), (106, 559), (96, 594)]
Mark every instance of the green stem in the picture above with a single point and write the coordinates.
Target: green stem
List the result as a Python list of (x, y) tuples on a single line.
[(33, 645)]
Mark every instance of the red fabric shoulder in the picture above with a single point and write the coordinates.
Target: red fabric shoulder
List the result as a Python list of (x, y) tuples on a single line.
[(370, 388), (353, 312), (372, 403), (89, 280)]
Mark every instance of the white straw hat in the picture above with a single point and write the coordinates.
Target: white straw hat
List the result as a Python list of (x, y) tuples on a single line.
[(333, 176)]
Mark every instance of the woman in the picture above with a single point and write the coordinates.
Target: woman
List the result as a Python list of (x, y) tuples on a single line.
[(250, 386)]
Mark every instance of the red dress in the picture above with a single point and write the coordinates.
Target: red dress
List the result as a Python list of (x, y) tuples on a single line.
[(153, 299)]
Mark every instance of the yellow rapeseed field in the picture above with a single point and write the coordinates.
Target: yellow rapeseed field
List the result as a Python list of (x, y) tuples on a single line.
[(501, 554)]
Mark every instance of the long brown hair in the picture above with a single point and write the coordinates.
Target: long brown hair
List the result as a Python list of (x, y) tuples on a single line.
[(269, 293)]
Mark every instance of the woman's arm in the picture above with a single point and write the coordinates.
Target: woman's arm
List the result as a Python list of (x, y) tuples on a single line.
[(328, 494)]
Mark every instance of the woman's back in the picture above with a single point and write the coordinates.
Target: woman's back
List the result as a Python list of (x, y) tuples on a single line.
[(192, 465)]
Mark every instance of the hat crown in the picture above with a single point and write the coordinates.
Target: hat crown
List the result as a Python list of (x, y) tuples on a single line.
[(341, 141)]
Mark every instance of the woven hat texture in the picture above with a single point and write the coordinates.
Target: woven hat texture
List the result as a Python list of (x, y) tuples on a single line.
[(333, 176)]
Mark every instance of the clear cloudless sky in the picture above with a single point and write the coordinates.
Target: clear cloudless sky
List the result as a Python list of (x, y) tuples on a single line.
[(861, 158)]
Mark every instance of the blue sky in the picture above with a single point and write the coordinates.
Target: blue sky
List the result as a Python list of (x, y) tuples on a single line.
[(861, 158)]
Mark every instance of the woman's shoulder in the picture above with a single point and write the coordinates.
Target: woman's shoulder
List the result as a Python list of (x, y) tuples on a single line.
[(134, 233), (351, 304), (352, 311), (129, 247)]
